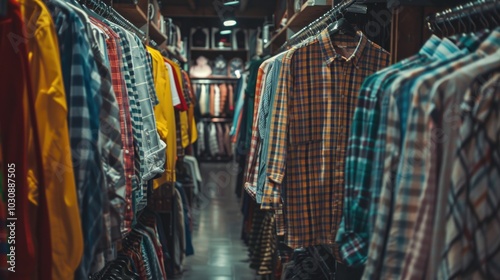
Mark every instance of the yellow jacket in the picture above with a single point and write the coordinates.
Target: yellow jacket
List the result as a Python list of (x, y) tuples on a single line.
[(165, 117), (51, 115)]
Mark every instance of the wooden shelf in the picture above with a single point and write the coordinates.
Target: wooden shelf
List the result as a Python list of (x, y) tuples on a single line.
[(132, 13), (175, 54), (135, 15), (194, 49), (156, 35), (307, 14)]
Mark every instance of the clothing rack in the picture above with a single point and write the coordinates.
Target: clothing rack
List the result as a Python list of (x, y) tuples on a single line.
[(486, 10), (111, 14), (323, 21)]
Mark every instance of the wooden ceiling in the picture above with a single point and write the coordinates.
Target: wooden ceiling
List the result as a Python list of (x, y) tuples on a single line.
[(247, 9)]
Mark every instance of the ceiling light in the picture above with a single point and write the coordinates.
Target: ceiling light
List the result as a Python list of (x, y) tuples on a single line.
[(231, 3), (229, 22), (225, 32)]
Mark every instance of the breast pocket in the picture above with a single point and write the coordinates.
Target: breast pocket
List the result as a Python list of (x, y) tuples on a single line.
[(307, 118)]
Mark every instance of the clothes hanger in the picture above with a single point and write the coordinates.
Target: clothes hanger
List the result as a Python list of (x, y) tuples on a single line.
[(495, 15), (342, 26)]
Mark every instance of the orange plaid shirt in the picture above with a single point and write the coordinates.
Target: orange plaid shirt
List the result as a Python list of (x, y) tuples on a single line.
[(317, 94)]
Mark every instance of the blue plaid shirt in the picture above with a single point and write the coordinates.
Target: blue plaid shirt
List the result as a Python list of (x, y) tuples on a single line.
[(384, 259), (82, 85)]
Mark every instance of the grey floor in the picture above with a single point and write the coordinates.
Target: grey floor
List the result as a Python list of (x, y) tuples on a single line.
[(219, 252)]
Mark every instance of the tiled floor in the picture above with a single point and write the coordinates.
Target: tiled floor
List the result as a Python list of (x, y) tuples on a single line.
[(219, 252)]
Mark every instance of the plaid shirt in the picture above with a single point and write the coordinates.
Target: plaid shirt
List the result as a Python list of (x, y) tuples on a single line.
[(271, 197), (412, 167), (472, 246), (116, 66), (357, 221), (82, 84), (398, 92), (154, 149), (253, 157), (308, 136), (135, 110), (111, 148), (446, 96)]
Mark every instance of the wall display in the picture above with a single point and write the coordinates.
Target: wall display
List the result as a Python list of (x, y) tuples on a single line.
[(200, 37), (240, 39), (201, 69), (220, 66), (221, 41), (235, 67)]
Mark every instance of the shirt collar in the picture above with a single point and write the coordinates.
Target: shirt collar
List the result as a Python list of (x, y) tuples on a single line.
[(491, 44), (445, 50), (331, 55), (430, 46)]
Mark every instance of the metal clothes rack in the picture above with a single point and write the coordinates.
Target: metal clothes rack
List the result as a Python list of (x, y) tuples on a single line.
[(111, 14), (463, 17), (323, 21)]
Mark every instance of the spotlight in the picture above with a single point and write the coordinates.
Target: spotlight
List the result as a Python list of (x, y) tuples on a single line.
[(230, 21), (231, 3)]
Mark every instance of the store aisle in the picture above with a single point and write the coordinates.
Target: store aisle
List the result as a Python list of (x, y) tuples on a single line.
[(220, 254)]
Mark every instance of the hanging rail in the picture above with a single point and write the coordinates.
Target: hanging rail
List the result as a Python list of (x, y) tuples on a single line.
[(324, 21), (111, 14), (465, 13)]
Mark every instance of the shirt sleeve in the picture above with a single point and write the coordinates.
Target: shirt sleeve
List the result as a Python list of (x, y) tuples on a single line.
[(278, 131)]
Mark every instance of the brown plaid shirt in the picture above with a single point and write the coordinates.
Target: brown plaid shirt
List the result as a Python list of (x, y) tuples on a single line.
[(310, 122)]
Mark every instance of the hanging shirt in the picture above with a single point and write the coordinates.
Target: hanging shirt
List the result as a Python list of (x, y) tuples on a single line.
[(223, 99), (253, 156), (82, 85), (175, 94), (154, 147), (397, 188), (230, 90), (476, 197), (217, 101), (264, 125), (182, 106), (204, 99), (111, 149), (51, 115), (357, 221), (310, 121), (165, 117), (201, 138), (212, 139), (117, 70), (212, 100), (239, 103), (134, 108), (20, 151)]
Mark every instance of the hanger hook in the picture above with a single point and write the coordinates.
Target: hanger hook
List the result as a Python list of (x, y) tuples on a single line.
[(460, 16), (448, 19), (497, 15)]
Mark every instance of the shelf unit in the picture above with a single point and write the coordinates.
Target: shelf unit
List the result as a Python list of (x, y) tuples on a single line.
[(136, 16), (307, 14)]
